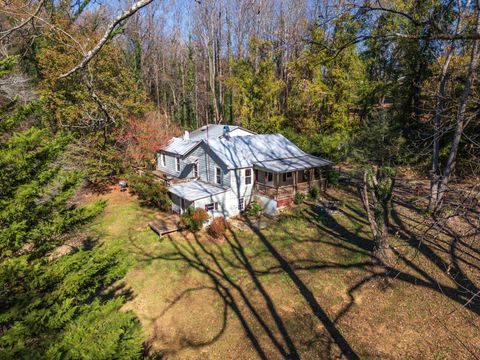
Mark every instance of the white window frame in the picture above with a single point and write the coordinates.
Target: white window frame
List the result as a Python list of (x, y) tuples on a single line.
[(241, 204), (177, 164), (163, 160), (248, 177), (218, 175), (211, 206), (195, 170)]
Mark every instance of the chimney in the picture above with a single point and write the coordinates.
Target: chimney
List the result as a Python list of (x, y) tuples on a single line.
[(186, 136)]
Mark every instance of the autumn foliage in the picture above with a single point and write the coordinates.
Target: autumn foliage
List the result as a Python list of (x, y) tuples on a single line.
[(218, 227), (143, 137)]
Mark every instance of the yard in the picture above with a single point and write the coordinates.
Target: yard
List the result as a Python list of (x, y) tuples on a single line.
[(303, 285)]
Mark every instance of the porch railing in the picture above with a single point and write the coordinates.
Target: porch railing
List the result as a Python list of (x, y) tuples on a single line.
[(287, 191)]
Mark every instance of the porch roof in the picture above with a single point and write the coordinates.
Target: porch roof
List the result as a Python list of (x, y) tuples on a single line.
[(195, 190), (292, 164)]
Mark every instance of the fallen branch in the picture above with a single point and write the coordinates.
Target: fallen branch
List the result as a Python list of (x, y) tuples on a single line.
[(110, 29)]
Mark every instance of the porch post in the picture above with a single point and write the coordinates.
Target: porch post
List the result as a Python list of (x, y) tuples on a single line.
[(295, 175), (277, 180), (310, 177)]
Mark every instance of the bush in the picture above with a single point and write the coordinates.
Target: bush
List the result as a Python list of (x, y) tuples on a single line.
[(253, 209), (314, 192), (150, 191), (333, 176), (194, 218), (218, 227), (298, 199)]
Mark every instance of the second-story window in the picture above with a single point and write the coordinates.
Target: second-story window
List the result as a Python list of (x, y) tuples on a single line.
[(218, 176), (195, 170), (164, 160), (248, 176), (177, 164)]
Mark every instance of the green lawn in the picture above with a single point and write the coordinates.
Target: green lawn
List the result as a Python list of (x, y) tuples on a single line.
[(303, 284)]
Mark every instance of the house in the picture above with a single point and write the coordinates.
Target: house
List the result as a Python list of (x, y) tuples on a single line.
[(221, 168)]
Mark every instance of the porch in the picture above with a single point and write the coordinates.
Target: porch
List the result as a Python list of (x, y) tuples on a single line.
[(282, 179)]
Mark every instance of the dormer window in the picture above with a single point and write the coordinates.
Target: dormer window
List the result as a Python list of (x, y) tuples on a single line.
[(177, 164), (164, 160)]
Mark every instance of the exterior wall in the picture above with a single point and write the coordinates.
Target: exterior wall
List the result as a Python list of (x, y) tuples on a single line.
[(170, 167), (207, 162), (239, 188), (226, 208)]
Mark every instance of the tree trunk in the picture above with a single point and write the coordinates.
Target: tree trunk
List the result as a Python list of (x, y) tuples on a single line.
[(461, 119), (437, 123)]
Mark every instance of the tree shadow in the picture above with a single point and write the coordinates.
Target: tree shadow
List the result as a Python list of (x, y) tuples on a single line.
[(265, 327)]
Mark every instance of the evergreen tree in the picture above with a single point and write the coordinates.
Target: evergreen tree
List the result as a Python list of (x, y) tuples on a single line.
[(53, 306)]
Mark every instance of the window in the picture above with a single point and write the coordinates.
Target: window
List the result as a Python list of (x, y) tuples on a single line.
[(164, 160), (248, 176), (241, 204), (177, 164), (195, 170), (218, 175), (286, 176), (211, 206), (269, 177), (306, 175)]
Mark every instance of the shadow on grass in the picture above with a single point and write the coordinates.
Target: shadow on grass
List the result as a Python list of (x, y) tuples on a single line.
[(264, 326)]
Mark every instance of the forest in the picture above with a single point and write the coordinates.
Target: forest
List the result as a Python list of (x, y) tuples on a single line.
[(91, 90)]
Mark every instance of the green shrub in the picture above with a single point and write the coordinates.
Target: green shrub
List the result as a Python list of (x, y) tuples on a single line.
[(298, 199), (253, 209), (194, 218), (150, 191), (314, 192), (333, 176), (218, 227)]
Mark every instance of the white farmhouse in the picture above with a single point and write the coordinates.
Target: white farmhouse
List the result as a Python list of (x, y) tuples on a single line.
[(221, 168)]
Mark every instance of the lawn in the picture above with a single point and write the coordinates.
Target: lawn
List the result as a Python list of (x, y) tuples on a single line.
[(301, 285)]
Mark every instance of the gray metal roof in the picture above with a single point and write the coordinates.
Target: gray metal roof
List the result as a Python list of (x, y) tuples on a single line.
[(180, 146), (292, 164), (214, 131), (194, 190), (244, 151)]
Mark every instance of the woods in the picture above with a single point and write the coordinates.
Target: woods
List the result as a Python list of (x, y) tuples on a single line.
[(89, 91)]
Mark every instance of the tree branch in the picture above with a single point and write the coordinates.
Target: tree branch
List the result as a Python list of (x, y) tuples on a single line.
[(25, 22), (108, 33)]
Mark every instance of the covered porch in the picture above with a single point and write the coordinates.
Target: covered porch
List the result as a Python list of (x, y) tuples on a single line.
[(282, 178)]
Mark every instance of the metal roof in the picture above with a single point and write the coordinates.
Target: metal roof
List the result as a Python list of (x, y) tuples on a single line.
[(244, 151), (194, 190), (292, 164), (214, 131), (180, 146)]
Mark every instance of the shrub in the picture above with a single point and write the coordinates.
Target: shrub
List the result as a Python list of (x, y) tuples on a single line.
[(314, 192), (150, 191), (194, 218), (298, 199), (218, 227), (253, 209), (333, 176)]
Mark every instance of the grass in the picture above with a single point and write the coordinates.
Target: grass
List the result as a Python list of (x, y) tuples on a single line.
[(305, 286)]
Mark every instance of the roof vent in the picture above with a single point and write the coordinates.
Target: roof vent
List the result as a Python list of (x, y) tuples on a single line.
[(186, 136), (226, 131)]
